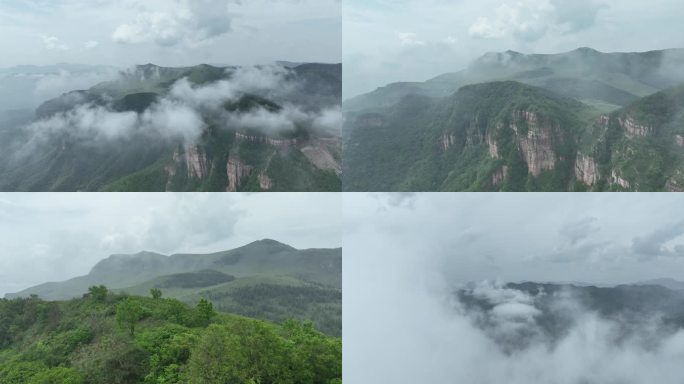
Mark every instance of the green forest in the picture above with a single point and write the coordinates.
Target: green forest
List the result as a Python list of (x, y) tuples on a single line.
[(112, 338)]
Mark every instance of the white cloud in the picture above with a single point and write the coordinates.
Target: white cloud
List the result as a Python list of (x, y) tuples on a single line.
[(530, 20), (54, 44), (526, 19), (91, 44), (409, 39), (190, 21)]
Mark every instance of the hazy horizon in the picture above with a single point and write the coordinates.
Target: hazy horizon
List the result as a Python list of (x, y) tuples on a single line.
[(418, 40)]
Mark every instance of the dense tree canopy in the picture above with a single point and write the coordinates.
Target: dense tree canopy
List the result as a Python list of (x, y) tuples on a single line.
[(111, 339)]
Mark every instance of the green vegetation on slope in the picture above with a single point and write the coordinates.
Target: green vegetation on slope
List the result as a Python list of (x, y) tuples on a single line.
[(111, 339), (284, 282), (403, 147)]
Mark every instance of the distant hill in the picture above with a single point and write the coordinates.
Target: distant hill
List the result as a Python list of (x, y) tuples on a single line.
[(264, 279), (616, 125), (672, 284), (613, 79)]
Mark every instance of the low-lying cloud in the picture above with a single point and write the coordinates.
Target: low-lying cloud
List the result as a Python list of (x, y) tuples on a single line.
[(405, 265), (188, 109)]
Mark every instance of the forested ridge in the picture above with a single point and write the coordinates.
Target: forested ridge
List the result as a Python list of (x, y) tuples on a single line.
[(112, 338)]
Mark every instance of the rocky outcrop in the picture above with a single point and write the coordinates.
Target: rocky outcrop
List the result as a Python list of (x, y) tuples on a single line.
[(280, 143), (197, 163), (679, 139), (446, 141), (615, 179), (499, 176), (673, 186), (236, 171), (633, 129), (493, 148), (586, 169), (536, 146), (321, 158), (603, 120), (265, 182)]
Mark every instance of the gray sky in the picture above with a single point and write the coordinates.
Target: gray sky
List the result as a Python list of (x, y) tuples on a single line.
[(53, 237), (594, 238), (413, 40), (168, 32), (404, 252)]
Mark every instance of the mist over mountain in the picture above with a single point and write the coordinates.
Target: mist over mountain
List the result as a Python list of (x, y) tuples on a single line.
[(210, 128), (265, 279), (580, 120)]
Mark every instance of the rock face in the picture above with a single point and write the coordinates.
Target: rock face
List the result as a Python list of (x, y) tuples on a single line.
[(446, 141), (536, 145), (615, 179), (265, 182), (586, 169), (499, 175), (197, 163), (321, 158), (493, 148), (236, 170), (280, 143), (633, 129), (679, 139)]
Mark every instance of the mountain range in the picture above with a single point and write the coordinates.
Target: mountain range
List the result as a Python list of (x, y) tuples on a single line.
[(547, 312), (265, 279), (200, 128), (574, 121)]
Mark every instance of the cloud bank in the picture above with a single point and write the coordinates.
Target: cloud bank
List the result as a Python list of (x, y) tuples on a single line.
[(189, 21), (406, 257), (188, 109)]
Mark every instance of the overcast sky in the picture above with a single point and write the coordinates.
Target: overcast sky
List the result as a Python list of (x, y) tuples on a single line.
[(404, 253), (168, 32), (595, 238), (414, 40), (53, 237)]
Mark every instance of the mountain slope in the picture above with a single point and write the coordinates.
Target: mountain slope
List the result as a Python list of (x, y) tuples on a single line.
[(543, 131), (265, 279), (199, 128), (614, 79), (501, 135)]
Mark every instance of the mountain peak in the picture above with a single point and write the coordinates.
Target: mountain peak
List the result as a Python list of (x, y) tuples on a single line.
[(270, 243)]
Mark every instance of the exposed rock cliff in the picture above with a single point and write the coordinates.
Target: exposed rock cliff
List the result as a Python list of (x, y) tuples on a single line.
[(281, 143), (632, 129), (265, 182), (537, 145), (446, 141), (197, 163), (236, 170), (616, 179), (493, 148), (499, 175), (319, 155), (679, 139), (586, 169)]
